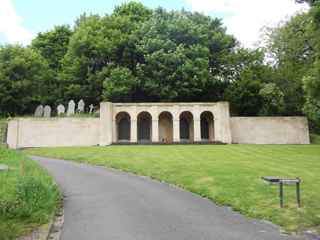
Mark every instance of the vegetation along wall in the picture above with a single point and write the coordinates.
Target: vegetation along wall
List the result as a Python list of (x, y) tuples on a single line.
[(3, 131)]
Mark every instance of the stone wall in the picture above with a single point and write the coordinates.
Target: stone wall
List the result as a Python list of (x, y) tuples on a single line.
[(53, 132), (270, 130)]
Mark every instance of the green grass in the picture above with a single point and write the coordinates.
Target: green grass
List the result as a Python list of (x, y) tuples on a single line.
[(315, 138), (25, 202), (228, 174)]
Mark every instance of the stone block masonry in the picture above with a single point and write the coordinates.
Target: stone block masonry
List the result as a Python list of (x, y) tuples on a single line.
[(53, 132), (166, 123), (270, 130)]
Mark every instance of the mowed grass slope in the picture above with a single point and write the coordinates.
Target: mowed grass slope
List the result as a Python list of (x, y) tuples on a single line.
[(25, 201), (228, 174)]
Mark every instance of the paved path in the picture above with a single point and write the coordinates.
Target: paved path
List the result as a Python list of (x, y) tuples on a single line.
[(103, 204)]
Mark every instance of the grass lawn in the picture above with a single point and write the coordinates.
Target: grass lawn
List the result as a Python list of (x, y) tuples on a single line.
[(228, 174), (25, 202)]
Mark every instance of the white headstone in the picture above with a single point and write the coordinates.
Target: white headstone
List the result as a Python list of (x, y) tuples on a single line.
[(39, 111), (81, 106), (61, 109), (91, 108), (4, 167), (47, 111), (71, 108)]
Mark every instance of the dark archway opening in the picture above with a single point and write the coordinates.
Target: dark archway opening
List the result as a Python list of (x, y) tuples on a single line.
[(207, 126), (165, 127), (186, 127), (123, 127), (144, 127)]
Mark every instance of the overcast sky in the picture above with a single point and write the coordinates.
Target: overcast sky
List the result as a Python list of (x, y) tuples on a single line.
[(21, 20)]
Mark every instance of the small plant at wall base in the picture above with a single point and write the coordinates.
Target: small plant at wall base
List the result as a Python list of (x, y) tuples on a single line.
[(315, 138)]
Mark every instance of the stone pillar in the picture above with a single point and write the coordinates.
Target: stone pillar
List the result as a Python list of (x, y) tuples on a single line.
[(106, 123), (197, 130), (222, 125), (13, 134), (134, 129), (115, 131), (176, 130), (155, 130)]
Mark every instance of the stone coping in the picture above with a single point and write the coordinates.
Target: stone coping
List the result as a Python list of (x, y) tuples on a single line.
[(149, 104)]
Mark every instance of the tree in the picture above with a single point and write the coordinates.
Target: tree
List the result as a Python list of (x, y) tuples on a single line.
[(97, 43), (312, 78), (251, 77), (244, 96), (272, 98), (184, 56), (312, 89), (135, 11), (53, 45), (292, 47), (23, 77), (119, 84)]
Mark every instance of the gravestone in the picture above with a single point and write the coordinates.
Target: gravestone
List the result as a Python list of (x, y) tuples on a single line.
[(47, 111), (81, 106), (71, 108), (39, 111), (91, 108), (60, 109), (4, 167)]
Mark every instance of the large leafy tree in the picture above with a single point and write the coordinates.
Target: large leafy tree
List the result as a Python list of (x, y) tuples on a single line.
[(181, 56), (312, 78), (52, 46), (98, 43), (22, 79), (248, 92), (296, 48), (292, 48)]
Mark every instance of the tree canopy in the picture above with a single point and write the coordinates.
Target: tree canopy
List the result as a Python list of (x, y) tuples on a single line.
[(139, 54)]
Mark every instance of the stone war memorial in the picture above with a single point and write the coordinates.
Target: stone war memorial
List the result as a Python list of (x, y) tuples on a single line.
[(155, 123)]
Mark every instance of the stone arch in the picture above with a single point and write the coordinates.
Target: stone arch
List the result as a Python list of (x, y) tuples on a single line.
[(207, 126), (123, 124), (165, 127), (144, 129), (186, 127)]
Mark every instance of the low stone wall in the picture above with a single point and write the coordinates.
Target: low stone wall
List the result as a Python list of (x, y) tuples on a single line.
[(53, 132), (270, 130)]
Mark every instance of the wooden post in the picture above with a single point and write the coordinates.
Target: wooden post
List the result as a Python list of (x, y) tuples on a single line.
[(22, 167), (298, 193), (281, 194)]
